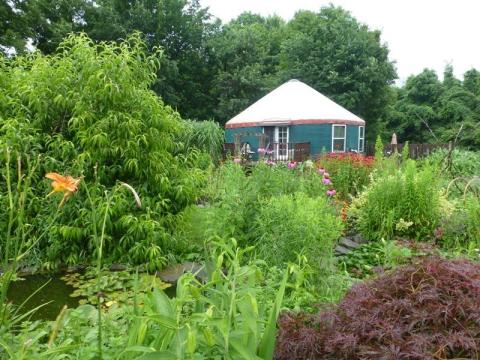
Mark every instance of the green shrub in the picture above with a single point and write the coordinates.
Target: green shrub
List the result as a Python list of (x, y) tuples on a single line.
[(288, 225), (385, 254), (463, 163), (89, 111), (406, 204), (350, 172), (460, 229), (231, 315), (235, 198), (205, 136)]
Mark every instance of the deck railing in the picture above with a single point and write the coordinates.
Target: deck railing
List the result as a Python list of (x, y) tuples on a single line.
[(280, 152), (277, 152)]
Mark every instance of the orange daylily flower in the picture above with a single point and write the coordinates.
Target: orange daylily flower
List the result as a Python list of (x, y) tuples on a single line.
[(65, 184)]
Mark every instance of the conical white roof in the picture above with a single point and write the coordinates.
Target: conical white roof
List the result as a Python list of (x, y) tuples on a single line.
[(293, 103)]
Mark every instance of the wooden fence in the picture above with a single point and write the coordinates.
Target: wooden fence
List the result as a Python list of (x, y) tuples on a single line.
[(416, 151)]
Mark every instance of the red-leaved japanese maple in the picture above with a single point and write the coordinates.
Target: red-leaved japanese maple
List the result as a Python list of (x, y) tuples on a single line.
[(427, 310)]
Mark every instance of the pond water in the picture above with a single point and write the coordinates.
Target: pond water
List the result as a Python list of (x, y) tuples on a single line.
[(56, 293)]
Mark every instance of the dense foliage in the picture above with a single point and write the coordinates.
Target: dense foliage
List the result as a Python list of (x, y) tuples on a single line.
[(461, 229), (350, 171), (297, 223), (276, 209), (204, 136), (418, 311), (375, 257), (234, 312), (405, 202), (88, 112), (210, 70), (427, 110), (457, 163), (81, 118)]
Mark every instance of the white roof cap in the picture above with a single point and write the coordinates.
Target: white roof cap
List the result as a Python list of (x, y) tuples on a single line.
[(293, 103)]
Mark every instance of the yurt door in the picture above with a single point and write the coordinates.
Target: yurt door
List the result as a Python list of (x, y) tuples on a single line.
[(281, 143), (269, 131)]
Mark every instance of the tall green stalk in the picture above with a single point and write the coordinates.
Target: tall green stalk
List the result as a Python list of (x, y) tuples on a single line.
[(16, 244), (99, 241), (99, 265)]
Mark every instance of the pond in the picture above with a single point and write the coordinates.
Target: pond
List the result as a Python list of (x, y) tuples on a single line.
[(73, 288), (54, 295)]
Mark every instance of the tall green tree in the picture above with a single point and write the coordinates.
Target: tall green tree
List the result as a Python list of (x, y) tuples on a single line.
[(182, 29), (449, 79), (14, 29), (247, 51), (50, 21), (471, 81), (426, 109), (340, 57)]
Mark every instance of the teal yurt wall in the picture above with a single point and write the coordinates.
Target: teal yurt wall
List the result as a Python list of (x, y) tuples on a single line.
[(309, 116), (253, 140), (318, 135)]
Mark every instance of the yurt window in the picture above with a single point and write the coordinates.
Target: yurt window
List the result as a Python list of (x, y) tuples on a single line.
[(361, 138), (339, 138)]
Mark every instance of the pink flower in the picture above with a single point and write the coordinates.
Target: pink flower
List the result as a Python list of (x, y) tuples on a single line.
[(327, 181), (321, 171), (237, 160), (326, 175), (292, 165), (270, 162), (261, 150), (331, 192)]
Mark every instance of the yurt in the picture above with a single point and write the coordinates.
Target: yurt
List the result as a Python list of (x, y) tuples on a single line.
[(294, 122)]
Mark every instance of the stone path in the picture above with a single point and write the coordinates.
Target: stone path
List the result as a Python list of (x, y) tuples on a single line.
[(347, 244)]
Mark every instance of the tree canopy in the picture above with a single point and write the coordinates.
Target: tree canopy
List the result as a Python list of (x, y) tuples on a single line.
[(427, 109), (210, 70), (338, 56)]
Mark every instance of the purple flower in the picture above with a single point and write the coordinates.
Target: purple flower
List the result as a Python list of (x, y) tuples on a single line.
[(292, 165), (237, 160), (269, 152), (331, 192), (327, 181), (321, 171)]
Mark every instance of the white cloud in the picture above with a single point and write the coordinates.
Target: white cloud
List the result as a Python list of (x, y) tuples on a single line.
[(419, 33)]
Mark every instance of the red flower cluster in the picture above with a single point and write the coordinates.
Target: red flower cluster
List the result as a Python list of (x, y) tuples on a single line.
[(351, 158), (349, 171)]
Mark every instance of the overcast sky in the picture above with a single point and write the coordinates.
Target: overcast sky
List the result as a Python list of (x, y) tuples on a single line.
[(419, 33)]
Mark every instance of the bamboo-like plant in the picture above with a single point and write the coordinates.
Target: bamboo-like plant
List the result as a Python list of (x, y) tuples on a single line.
[(99, 239), (18, 239), (223, 317)]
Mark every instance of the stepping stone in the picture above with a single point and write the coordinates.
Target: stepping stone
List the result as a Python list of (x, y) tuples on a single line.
[(173, 273), (342, 250), (346, 242), (359, 239), (27, 270), (117, 267)]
